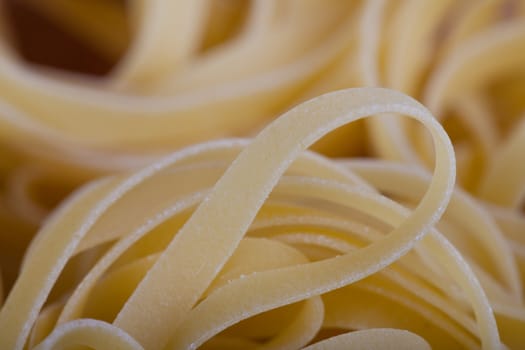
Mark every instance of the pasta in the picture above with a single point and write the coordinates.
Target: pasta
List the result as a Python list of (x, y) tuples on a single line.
[(221, 222), (196, 220)]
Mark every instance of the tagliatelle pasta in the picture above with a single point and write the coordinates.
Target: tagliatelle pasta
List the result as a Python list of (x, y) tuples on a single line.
[(184, 230), (192, 285)]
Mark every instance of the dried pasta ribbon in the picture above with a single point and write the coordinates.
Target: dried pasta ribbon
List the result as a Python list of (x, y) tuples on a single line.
[(257, 243), (206, 241)]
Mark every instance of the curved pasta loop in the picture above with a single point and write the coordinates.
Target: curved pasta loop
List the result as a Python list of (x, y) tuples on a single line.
[(183, 230), (219, 225), (286, 141)]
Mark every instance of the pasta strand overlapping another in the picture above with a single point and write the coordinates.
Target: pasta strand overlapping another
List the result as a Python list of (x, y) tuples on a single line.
[(196, 220)]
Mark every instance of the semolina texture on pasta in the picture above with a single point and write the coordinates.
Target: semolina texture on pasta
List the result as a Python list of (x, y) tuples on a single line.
[(292, 174)]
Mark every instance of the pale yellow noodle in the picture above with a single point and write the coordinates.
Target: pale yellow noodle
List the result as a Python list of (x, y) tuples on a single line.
[(180, 234)]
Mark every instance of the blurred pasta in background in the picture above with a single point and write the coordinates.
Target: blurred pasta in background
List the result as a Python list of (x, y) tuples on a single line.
[(96, 88)]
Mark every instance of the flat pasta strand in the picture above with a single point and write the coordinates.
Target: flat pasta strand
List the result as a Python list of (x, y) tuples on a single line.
[(173, 203)]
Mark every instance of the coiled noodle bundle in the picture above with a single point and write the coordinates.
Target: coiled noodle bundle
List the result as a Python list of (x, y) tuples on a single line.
[(175, 255), (237, 241)]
